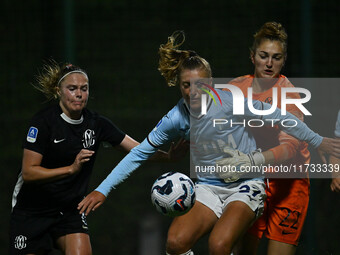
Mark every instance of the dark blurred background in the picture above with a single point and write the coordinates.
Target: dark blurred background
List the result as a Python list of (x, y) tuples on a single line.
[(117, 43)]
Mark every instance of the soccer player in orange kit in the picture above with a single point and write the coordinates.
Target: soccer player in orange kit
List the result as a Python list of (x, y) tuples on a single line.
[(287, 199)]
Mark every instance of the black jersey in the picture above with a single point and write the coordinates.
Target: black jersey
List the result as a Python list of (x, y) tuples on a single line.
[(59, 139)]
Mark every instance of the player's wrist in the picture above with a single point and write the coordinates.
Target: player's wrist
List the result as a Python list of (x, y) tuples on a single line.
[(257, 158)]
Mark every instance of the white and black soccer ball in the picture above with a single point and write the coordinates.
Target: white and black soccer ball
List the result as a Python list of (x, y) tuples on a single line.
[(173, 194)]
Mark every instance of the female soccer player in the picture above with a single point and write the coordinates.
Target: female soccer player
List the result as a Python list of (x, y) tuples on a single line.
[(287, 199), (58, 157), (225, 209)]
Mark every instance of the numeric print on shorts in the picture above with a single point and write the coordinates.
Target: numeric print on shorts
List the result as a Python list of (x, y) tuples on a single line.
[(292, 216)]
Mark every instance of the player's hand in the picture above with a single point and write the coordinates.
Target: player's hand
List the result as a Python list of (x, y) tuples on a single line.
[(239, 160), (329, 146), (179, 150), (335, 184), (91, 202), (82, 157)]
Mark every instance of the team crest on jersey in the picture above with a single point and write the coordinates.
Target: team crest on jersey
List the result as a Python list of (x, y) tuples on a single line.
[(269, 100), (88, 138), (20, 242), (32, 135)]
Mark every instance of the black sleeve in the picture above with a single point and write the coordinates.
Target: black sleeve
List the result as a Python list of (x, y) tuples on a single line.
[(37, 136), (110, 132)]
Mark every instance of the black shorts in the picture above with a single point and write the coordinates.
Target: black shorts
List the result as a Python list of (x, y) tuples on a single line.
[(32, 233)]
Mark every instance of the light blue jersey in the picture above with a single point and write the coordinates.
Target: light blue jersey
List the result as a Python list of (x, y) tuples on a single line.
[(211, 133), (209, 140), (337, 126)]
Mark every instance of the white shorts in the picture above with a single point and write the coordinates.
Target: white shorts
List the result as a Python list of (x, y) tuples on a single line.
[(250, 192)]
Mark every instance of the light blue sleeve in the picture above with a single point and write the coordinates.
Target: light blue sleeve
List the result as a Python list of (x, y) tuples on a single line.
[(129, 163), (163, 133), (301, 131), (337, 126)]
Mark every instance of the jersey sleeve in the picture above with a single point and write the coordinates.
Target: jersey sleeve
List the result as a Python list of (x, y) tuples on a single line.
[(300, 131), (38, 135), (288, 148), (129, 163), (110, 132), (161, 134), (164, 131), (337, 126)]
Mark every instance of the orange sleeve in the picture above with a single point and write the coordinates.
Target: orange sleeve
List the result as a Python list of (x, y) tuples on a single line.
[(288, 148), (289, 145)]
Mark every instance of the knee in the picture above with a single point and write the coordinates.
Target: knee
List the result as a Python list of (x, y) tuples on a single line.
[(177, 244), (219, 247)]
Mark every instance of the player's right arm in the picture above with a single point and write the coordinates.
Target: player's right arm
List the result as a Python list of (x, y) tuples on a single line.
[(32, 171), (162, 133)]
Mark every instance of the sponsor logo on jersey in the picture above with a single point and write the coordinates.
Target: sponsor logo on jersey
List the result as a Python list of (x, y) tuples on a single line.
[(286, 233), (32, 135), (58, 141), (88, 138), (20, 242)]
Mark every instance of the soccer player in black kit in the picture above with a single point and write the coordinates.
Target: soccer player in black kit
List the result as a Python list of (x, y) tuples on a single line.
[(59, 154)]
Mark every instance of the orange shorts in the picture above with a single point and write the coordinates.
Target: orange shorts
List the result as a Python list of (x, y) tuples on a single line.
[(284, 212)]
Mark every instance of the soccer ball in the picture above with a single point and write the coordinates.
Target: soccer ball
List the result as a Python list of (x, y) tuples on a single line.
[(173, 194)]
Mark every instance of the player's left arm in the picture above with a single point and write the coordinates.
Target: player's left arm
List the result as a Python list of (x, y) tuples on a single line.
[(301, 131), (289, 146)]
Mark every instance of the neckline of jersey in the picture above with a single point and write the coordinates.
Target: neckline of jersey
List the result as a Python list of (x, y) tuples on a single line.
[(72, 121)]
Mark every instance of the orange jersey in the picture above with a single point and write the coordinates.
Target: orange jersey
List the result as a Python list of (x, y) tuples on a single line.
[(285, 148)]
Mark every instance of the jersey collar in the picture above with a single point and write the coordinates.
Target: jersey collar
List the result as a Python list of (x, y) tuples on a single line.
[(71, 121)]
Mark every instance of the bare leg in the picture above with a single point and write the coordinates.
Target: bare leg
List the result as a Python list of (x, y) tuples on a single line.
[(187, 229), (75, 244), (279, 248), (234, 222), (247, 246)]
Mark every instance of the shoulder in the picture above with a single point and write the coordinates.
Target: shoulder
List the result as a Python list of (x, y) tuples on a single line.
[(243, 81), (176, 119), (178, 112), (91, 115), (284, 82), (47, 115), (98, 120)]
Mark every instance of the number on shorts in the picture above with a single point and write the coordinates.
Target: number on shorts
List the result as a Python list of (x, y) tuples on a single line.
[(246, 189), (290, 212)]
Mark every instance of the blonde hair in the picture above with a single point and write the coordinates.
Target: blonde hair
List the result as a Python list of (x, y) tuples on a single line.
[(49, 78), (273, 31), (172, 60)]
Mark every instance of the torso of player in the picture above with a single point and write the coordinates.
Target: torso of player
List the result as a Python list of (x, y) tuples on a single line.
[(206, 141), (268, 137), (59, 140)]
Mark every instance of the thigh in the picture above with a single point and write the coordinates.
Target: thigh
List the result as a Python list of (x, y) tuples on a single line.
[(71, 234), (232, 225), (279, 248), (189, 227), (287, 213), (242, 207), (75, 244)]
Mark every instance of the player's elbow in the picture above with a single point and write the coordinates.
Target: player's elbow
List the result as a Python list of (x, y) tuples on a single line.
[(27, 175)]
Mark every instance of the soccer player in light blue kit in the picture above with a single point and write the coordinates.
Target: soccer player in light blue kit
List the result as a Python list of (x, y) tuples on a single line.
[(225, 207)]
